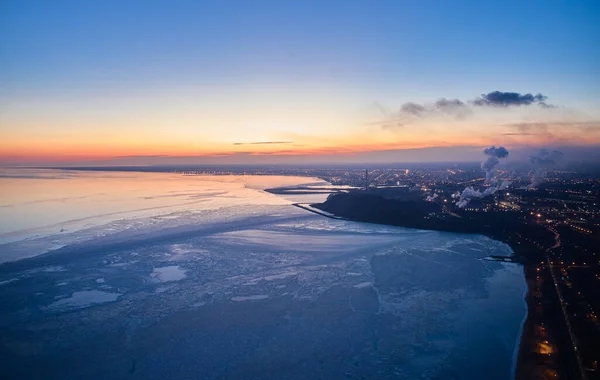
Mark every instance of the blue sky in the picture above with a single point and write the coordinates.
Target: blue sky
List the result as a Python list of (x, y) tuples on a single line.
[(61, 58)]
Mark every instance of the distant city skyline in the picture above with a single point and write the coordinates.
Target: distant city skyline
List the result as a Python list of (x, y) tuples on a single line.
[(151, 82)]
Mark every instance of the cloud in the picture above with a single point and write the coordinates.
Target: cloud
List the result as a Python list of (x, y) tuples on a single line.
[(556, 132), (546, 105), (263, 143), (413, 109), (591, 129), (584, 125), (532, 128), (446, 104), (410, 112), (454, 107), (143, 156), (390, 125), (390, 121), (511, 99), (384, 111)]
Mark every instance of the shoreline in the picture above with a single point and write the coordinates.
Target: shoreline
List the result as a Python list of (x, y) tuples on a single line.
[(520, 338), (524, 343)]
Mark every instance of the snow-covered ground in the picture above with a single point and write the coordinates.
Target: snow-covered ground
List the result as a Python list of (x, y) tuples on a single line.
[(223, 281)]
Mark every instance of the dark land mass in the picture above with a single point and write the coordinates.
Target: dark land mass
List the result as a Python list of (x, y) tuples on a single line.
[(548, 348), (302, 190), (504, 226)]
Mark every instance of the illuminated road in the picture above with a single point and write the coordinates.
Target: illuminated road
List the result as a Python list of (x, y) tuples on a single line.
[(471, 181), (564, 311), (556, 238)]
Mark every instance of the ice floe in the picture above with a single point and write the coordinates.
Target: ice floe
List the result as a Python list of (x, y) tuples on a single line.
[(83, 299), (169, 273), (250, 298)]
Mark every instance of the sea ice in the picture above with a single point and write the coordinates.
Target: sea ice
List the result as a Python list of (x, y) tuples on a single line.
[(83, 299), (250, 298), (8, 281), (170, 273)]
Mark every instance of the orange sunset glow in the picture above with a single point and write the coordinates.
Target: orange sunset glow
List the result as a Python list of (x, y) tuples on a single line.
[(238, 96)]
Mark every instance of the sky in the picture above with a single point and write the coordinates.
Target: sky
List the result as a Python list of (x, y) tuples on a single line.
[(151, 82)]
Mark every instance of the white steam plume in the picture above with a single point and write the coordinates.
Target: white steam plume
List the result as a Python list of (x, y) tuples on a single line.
[(431, 198), (470, 193), (493, 158), (542, 162)]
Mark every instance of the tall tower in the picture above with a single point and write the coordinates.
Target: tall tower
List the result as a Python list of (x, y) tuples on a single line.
[(366, 179)]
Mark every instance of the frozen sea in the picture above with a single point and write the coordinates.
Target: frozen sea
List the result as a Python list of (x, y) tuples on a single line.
[(163, 276)]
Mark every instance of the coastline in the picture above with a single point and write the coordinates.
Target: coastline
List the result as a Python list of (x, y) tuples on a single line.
[(521, 254), (518, 349), (521, 370)]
